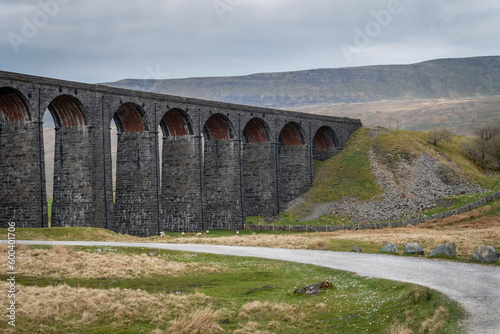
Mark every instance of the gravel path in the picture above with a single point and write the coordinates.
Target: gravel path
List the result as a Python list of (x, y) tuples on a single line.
[(475, 287)]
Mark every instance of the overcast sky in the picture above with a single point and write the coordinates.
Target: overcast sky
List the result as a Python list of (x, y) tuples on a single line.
[(106, 40)]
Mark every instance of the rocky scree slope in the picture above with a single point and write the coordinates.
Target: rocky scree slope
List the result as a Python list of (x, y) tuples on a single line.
[(416, 177)]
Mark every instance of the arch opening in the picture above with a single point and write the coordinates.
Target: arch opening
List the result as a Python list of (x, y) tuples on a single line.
[(325, 138), (218, 126), (175, 123), (325, 144), (67, 112), (130, 118), (292, 135), (13, 106), (256, 131)]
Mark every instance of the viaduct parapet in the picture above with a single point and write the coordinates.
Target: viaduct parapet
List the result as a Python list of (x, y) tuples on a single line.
[(219, 162)]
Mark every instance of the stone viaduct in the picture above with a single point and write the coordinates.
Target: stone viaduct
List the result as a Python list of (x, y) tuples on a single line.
[(219, 162)]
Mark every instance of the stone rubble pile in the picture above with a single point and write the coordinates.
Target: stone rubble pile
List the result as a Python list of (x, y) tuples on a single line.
[(410, 186)]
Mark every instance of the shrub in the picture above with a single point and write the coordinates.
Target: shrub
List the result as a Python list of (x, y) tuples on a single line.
[(435, 135)]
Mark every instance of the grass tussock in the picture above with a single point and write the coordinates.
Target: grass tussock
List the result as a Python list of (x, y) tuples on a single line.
[(436, 322), (197, 322), (65, 262), (416, 295), (400, 329), (318, 244), (281, 311)]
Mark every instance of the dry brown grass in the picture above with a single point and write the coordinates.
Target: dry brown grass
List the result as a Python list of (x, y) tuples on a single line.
[(318, 244), (400, 329), (197, 322), (82, 306), (466, 235), (64, 262), (453, 220), (434, 324), (262, 240), (282, 311)]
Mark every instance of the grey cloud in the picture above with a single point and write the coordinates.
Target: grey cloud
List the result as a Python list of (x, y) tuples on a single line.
[(95, 41)]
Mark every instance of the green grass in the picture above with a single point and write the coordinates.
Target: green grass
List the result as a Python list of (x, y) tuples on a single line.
[(354, 305), (49, 208)]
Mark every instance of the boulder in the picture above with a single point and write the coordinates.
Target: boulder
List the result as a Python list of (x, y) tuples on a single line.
[(449, 249), (357, 249), (413, 248), (389, 248), (486, 254)]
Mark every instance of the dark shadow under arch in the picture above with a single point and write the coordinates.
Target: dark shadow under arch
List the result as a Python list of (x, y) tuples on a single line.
[(256, 131), (218, 126), (292, 135), (130, 117), (13, 106), (67, 111), (325, 143), (176, 123)]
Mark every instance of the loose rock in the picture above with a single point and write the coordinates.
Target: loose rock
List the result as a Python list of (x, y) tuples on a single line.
[(357, 249), (389, 248), (413, 248), (449, 249), (486, 254)]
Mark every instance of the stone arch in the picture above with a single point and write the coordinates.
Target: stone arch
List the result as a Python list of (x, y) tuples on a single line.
[(293, 178), (258, 170), (325, 143), (22, 191), (13, 106), (221, 182), (180, 173), (67, 111), (292, 135), (176, 123), (73, 203), (256, 131), (218, 126), (136, 182)]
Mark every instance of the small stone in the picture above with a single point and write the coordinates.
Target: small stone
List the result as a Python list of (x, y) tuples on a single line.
[(449, 249), (389, 248), (413, 248), (357, 249), (486, 254)]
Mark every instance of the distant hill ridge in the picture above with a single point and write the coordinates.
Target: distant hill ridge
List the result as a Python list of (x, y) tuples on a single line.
[(475, 77)]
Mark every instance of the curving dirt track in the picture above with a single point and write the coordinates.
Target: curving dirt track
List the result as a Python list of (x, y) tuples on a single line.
[(474, 286)]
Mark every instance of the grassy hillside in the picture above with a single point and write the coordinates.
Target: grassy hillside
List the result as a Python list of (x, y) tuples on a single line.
[(441, 78), (462, 93), (349, 174)]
